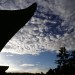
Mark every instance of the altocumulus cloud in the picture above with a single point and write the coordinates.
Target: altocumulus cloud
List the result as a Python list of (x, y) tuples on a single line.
[(41, 33)]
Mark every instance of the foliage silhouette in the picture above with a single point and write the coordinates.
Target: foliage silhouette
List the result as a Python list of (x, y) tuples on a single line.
[(65, 63), (62, 57), (50, 72)]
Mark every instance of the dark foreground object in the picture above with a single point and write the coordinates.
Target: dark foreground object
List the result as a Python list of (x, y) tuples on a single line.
[(3, 69), (12, 20)]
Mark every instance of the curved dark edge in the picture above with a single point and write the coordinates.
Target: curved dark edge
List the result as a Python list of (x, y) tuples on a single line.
[(13, 20)]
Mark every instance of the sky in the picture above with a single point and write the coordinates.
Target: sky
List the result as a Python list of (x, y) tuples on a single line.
[(28, 63), (34, 47)]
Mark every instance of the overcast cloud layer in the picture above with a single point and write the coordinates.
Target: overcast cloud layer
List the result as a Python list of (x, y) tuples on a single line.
[(43, 32)]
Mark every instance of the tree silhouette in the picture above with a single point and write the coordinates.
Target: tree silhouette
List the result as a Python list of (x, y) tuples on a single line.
[(50, 72), (62, 56), (62, 61), (73, 58), (65, 63), (71, 63)]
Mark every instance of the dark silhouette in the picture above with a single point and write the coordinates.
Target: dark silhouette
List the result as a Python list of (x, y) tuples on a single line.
[(3, 69), (71, 63), (73, 58), (65, 63), (50, 72), (12, 20), (62, 57)]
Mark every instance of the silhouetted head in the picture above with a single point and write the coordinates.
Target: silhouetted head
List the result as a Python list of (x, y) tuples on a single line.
[(12, 20)]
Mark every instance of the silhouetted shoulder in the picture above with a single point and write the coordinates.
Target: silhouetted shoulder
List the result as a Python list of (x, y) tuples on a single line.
[(12, 20)]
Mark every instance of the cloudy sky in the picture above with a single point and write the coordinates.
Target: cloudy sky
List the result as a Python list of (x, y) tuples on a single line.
[(33, 48)]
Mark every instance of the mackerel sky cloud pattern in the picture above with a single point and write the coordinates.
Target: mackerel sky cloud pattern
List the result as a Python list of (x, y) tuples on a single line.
[(48, 30)]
